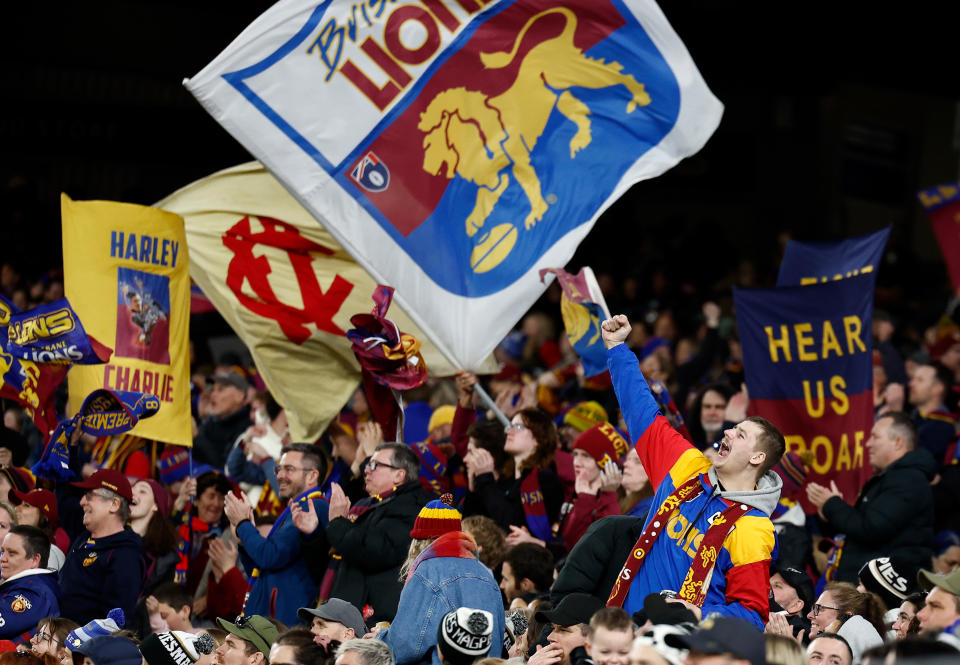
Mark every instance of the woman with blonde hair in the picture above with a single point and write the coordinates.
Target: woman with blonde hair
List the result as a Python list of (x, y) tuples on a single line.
[(782, 650)]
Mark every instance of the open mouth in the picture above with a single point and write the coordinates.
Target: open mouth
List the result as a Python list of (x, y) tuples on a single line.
[(722, 448)]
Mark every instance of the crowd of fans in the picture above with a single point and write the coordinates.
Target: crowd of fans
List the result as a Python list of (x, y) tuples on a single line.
[(474, 542)]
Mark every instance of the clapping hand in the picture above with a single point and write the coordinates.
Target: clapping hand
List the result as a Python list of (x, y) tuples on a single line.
[(305, 520), (237, 510), (339, 503)]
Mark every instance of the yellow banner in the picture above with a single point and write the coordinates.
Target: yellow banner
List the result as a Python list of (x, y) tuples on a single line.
[(286, 287), (126, 275)]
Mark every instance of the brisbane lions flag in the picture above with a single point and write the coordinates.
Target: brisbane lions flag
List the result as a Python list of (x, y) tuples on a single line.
[(456, 147), (808, 363)]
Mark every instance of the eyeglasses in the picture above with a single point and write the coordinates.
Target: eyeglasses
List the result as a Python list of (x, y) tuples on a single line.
[(289, 468), (514, 427), (817, 607), (244, 622), (373, 464), (106, 495), (41, 637)]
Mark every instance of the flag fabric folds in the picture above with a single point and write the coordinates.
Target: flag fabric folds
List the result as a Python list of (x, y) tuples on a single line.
[(808, 364), (456, 148), (286, 287), (583, 309), (126, 274), (816, 262), (943, 208)]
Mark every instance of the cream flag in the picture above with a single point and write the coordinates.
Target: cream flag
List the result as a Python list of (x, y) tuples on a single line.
[(286, 287)]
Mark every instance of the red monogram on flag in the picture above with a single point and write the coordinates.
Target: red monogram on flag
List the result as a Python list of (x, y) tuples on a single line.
[(319, 307)]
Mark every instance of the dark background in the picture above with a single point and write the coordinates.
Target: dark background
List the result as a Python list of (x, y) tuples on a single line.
[(836, 114)]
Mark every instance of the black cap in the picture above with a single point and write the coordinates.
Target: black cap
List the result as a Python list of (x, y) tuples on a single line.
[(659, 612), (724, 635), (573, 609), (799, 581)]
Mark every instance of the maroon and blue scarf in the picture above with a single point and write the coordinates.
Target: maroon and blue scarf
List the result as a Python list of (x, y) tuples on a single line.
[(534, 507)]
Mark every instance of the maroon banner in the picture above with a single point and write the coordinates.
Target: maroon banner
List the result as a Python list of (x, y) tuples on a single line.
[(943, 207)]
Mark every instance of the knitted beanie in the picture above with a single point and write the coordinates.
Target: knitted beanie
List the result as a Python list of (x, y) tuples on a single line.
[(890, 578), (97, 628), (175, 647), (584, 415), (515, 627), (464, 635), (793, 472), (442, 415), (174, 464), (436, 518), (603, 443)]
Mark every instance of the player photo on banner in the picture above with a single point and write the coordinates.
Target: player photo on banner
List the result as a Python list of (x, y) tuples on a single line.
[(143, 307)]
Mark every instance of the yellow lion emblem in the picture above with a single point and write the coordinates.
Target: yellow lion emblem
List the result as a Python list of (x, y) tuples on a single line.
[(481, 137)]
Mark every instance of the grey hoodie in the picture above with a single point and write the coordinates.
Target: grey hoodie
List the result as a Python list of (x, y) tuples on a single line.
[(764, 497), (860, 635)]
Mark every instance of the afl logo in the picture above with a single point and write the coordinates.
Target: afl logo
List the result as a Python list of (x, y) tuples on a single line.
[(371, 174)]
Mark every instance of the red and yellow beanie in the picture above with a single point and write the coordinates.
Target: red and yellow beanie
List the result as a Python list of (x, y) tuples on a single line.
[(603, 443), (584, 415), (436, 518)]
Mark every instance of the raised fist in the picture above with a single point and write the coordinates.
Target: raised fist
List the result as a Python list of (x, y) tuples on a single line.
[(615, 330)]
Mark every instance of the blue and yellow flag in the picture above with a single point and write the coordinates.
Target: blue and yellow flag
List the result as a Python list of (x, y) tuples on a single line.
[(126, 275), (807, 263), (583, 310)]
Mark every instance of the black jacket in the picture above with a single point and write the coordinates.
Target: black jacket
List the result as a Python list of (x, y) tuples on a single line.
[(101, 574), (216, 436), (500, 499), (893, 516), (373, 548), (595, 561)]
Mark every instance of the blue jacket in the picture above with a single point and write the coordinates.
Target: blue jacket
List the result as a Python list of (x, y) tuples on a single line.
[(283, 583), (25, 599), (740, 584), (438, 586), (101, 574)]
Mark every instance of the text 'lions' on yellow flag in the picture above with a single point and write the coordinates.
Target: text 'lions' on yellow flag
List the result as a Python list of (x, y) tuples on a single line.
[(126, 274), (286, 287)]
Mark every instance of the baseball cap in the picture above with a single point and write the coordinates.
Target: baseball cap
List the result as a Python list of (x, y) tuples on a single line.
[(110, 479), (255, 629), (949, 582), (724, 635), (45, 500), (573, 609), (232, 379), (108, 650), (799, 581), (336, 610)]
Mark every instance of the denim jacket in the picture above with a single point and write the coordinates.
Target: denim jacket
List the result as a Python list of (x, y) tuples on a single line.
[(438, 586)]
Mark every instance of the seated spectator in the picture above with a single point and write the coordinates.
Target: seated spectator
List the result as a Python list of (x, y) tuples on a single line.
[(942, 608), (38, 508), (441, 571), (609, 637), (596, 454), (793, 593), (111, 624), (50, 639), (907, 622), (706, 420), (175, 648), (531, 443), (638, 492), (782, 650), (490, 539), (526, 574), (8, 517), (108, 650), (569, 623), (199, 512), (930, 386), (170, 608), (334, 619), (736, 639), (29, 590), (25, 658), (855, 616), (888, 578), (464, 636), (248, 642), (104, 568), (229, 417), (946, 552), (829, 649), (297, 646), (149, 518), (363, 652), (650, 648)]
